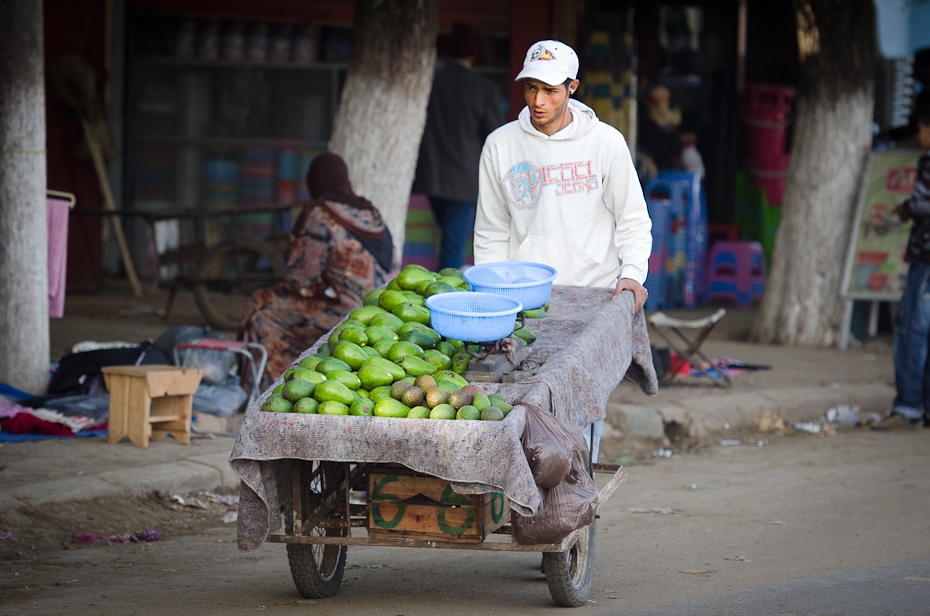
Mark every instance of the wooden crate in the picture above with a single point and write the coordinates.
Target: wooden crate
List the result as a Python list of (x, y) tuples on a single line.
[(402, 503)]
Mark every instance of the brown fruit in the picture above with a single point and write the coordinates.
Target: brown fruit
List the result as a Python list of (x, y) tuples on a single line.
[(398, 389), (460, 398), (425, 382), (413, 396), (435, 397)]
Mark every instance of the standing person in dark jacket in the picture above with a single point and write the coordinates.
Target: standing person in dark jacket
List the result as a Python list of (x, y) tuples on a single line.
[(912, 324), (463, 109)]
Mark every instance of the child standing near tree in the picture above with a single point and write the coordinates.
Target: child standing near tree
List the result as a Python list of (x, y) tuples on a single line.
[(912, 325)]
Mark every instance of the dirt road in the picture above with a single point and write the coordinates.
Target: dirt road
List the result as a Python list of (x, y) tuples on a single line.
[(744, 521)]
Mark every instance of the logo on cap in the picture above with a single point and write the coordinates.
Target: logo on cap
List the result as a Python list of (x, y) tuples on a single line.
[(543, 54)]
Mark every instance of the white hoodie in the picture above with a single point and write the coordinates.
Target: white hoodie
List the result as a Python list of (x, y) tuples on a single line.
[(571, 200)]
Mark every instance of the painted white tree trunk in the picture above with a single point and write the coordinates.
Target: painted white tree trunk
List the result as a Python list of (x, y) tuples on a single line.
[(24, 337), (383, 108), (832, 136)]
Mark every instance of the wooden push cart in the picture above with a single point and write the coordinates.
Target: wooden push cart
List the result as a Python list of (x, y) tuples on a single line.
[(404, 508)]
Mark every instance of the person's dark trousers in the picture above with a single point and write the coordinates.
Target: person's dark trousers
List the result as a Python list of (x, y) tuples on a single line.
[(456, 220), (911, 345)]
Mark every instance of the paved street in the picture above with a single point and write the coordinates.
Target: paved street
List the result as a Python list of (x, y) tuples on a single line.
[(801, 525)]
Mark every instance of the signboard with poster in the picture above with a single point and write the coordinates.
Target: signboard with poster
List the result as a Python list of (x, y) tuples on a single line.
[(875, 269)]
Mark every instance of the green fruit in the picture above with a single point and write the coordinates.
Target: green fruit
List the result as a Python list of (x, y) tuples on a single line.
[(333, 390), (363, 392), (388, 321), (365, 313), (303, 374), (297, 389), (383, 346), (442, 411), (468, 412), (450, 271), (408, 278), (413, 396), (480, 401), (421, 286), (372, 376), (498, 401), (391, 286), (333, 407), (449, 375), (415, 266), (333, 363), (414, 366), (362, 407), (426, 329), (409, 311), (402, 348), (309, 362), (277, 404), (409, 379), (536, 313), (390, 299), (371, 298), (447, 386), (349, 353), (391, 408), (277, 390), (418, 338), (323, 351), (350, 323), (414, 298), (356, 336), (435, 397), (438, 287), (349, 379), (445, 347), (378, 394), (458, 399), (397, 373), (371, 351), (306, 406), (418, 412), (456, 282), (524, 334), (376, 333), (459, 363), (458, 345), (492, 413), (437, 359), (398, 389)]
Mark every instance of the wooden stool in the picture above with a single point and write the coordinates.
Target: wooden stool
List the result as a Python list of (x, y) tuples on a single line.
[(141, 396)]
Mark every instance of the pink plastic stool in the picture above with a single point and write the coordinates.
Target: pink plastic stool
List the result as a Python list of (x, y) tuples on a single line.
[(736, 272)]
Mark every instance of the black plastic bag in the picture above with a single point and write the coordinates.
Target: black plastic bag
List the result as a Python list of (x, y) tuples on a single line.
[(566, 508), (77, 370), (549, 445)]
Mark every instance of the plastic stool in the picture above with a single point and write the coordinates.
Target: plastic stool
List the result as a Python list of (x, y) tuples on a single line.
[(736, 272), (152, 395), (253, 352)]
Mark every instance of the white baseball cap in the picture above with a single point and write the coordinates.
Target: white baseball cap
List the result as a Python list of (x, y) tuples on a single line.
[(551, 62)]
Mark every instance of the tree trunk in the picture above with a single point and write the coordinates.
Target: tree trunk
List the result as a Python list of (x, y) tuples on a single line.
[(24, 339), (832, 136), (383, 107)]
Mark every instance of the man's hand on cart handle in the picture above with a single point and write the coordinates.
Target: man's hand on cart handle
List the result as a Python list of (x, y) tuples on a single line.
[(639, 292)]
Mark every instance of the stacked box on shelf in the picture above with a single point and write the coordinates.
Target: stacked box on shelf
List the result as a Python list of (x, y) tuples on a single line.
[(421, 242), (220, 189), (258, 188)]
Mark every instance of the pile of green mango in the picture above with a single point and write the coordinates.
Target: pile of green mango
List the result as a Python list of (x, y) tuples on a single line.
[(385, 360)]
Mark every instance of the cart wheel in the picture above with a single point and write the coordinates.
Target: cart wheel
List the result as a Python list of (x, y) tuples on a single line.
[(569, 574), (231, 271), (318, 569)]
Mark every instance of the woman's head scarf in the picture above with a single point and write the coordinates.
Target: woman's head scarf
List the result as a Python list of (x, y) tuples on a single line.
[(328, 180)]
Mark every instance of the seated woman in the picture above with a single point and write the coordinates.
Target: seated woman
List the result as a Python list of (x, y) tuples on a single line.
[(341, 249)]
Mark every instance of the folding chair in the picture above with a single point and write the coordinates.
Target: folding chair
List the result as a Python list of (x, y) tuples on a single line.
[(692, 347)]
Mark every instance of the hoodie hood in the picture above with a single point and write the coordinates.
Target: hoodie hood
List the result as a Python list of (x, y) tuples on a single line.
[(583, 121)]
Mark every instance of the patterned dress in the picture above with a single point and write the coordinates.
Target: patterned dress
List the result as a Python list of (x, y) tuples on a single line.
[(328, 271)]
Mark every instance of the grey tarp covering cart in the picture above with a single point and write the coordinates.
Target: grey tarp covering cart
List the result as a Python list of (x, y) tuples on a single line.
[(295, 467)]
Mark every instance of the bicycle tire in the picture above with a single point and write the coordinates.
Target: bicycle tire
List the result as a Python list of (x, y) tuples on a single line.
[(244, 266)]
